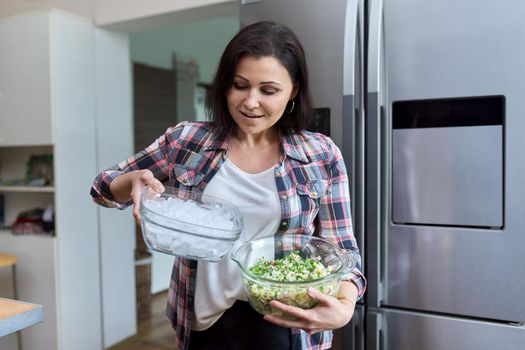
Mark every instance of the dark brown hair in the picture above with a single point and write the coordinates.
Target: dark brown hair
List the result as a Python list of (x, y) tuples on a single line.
[(262, 39)]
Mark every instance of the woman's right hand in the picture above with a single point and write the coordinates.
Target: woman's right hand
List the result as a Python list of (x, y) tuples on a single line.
[(130, 186)]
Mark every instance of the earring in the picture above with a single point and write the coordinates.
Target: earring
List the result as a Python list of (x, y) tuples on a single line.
[(293, 106)]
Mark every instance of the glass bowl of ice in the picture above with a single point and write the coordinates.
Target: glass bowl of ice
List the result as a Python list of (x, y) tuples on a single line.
[(189, 224)]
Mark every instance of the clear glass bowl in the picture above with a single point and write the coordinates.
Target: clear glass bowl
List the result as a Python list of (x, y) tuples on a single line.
[(261, 291), (189, 224)]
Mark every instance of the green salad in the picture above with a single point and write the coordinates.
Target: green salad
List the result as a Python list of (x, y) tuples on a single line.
[(292, 268)]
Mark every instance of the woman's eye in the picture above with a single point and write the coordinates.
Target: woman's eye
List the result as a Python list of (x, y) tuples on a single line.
[(240, 86), (269, 91)]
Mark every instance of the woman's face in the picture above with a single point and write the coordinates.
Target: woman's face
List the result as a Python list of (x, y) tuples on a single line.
[(260, 92)]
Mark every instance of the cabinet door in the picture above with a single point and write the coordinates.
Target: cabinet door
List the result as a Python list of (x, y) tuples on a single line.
[(25, 112)]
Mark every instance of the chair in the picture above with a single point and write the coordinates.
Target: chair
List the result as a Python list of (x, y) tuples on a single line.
[(7, 260)]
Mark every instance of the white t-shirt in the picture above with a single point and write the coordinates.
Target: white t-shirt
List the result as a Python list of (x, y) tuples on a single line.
[(218, 284)]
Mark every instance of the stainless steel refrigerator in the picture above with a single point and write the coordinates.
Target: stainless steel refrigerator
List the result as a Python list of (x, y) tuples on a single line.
[(426, 99)]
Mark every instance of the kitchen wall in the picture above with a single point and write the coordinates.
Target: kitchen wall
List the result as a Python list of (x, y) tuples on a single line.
[(203, 40), (107, 12), (14, 7)]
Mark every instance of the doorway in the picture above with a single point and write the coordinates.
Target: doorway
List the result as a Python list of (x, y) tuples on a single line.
[(172, 68)]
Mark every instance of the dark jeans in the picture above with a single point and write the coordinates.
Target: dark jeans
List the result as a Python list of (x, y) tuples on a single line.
[(241, 328)]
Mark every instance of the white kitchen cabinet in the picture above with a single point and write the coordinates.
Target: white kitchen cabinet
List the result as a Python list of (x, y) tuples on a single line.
[(58, 96), (25, 95), (49, 99)]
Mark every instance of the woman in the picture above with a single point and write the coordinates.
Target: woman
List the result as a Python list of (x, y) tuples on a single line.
[(255, 153)]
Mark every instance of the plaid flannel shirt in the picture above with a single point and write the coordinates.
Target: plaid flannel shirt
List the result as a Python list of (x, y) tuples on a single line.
[(313, 188)]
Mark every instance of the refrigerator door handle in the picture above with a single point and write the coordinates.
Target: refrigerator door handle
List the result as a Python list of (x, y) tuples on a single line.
[(350, 52), (373, 153), (356, 338), (374, 331), (375, 41), (353, 333), (353, 147)]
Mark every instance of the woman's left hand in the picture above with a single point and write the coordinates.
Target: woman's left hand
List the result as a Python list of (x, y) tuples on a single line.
[(329, 313)]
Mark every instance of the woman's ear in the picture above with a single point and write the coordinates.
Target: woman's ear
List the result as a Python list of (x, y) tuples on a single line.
[(295, 90)]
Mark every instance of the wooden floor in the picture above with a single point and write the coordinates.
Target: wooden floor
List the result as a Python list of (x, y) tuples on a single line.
[(154, 333)]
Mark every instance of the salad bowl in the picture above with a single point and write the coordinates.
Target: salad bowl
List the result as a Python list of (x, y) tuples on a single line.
[(257, 258)]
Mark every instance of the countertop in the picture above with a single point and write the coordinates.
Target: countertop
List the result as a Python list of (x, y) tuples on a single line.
[(17, 315)]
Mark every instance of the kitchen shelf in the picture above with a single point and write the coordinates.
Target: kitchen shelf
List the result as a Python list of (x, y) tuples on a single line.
[(45, 189), (8, 232)]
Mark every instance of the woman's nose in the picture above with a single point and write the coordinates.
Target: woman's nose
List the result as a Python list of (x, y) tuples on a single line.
[(252, 100)]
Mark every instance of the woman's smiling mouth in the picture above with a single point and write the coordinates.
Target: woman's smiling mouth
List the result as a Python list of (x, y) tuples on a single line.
[(251, 116)]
